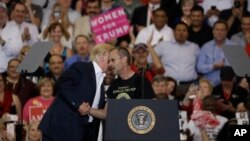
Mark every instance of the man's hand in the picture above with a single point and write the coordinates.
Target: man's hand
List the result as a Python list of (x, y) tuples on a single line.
[(84, 108), (219, 64), (26, 34)]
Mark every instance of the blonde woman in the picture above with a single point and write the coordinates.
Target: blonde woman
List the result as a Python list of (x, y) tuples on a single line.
[(58, 15), (195, 95)]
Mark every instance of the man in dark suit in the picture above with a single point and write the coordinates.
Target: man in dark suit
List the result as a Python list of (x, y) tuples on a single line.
[(66, 119)]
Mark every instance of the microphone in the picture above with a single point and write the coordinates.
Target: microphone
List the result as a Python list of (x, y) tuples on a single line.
[(142, 71)]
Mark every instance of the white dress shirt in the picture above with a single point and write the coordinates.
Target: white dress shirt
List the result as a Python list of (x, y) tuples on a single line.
[(179, 60), (99, 79), (13, 44), (165, 34), (33, 30)]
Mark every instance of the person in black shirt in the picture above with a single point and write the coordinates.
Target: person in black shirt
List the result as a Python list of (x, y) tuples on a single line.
[(228, 94), (199, 31)]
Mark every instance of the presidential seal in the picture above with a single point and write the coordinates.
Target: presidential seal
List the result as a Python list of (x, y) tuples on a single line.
[(141, 119)]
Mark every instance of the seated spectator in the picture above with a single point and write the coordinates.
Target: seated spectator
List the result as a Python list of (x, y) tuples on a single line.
[(33, 133), (56, 67), (17, 84), (46, 90), (9, 103), (82, 48), (140, 63), (228, 94)]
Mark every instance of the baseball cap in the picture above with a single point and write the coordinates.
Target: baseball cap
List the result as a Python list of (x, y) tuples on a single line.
[(139, 46), (2, 5)]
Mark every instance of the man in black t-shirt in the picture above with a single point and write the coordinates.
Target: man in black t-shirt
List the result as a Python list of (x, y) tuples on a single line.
[(128, 85)]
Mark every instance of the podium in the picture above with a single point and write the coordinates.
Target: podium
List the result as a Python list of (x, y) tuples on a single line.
[(142, 120)]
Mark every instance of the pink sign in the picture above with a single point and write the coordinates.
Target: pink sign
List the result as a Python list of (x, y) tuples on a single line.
[(110, 25)]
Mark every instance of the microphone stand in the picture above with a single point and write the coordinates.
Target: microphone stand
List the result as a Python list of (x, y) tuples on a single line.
[(142, 81), (19, 125)]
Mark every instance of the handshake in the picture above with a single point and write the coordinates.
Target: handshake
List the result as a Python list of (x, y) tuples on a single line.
[(84, 108)]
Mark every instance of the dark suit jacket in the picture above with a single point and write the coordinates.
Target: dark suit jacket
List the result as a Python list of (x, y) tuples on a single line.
[(62, 121), (140, 16)]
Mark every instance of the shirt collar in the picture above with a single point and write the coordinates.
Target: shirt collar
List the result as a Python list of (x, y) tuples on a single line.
[(98, 70)]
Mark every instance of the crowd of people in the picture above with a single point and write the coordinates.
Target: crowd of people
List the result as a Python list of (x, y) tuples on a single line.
[(173, 48)]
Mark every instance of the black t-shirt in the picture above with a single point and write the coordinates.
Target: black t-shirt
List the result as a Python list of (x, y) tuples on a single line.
[(237, 96), (200, 37), (130, 88)]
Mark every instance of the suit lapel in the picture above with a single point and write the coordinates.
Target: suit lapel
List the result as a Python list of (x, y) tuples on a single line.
[(92, 81)]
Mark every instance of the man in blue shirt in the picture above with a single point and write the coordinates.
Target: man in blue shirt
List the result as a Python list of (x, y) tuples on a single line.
[(82, 51), (211, 57)]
